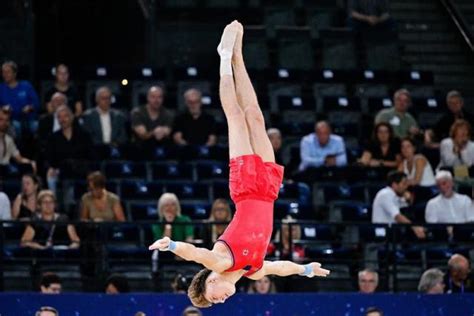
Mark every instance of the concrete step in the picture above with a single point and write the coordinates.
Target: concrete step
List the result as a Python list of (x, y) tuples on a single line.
[(433, 48), (417, 36), (409, 5), (448, 59)]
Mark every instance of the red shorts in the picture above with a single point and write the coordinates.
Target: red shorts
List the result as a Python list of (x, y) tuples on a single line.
[(251, 178)]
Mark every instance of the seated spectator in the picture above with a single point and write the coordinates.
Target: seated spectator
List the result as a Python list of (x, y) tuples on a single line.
[(389, 200), (21, 97), (402, 122), (368, 281), (152, 123), (288, 251), (432, 282), (322, 148), (48, 122), (220, 213), (105, 125), (64, 86), (448, 207), (263, 286), (457, 279), (25, 204), (5, 207), (383, 150), (47, 311), (116, 284), (274, 135), (367, 15), (43, 232), (50, 283), (100, 205), (458, 149), (8, 148), (180, 284), (169, 212), (65, 146), (194, 127), (373, 311), (191, 311), (415, 166)]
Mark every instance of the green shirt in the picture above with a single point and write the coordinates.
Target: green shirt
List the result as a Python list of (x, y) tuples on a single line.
[(178, 232), (401, 123)]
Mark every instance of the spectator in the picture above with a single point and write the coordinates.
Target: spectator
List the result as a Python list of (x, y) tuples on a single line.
[(5, 207), (169, 212), (322, 148), (383, 150), (373, 311), (105, 125), (366, 15), (274, 135), (368, 281), (263, 286), (64, 86), (21, 97), (448, 207), (432, 282), (289, 250), (458, 149), (48, 123), (8, 148), (66, 145), (98, 204), (389, 200), (25, 205), (116, 284), (191, 311), (415, 166), (402, 122), (43, 232), (457, 279), (194, 127), (50, 283), (152, 123), (180, 284), (220, 213), (47, 311)]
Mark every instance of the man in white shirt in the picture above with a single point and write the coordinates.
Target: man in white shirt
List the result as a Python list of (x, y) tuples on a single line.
[(5, 207), (389, 200), (448, 207)]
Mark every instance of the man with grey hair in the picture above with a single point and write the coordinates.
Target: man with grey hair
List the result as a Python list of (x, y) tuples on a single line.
[(368, 280), (274, 135), (194, 126), (457, 279), (402, 122), (432, 282), (48, 122), (448, 207), (104, 124)]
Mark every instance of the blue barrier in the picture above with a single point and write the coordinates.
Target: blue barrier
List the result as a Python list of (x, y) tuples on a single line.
[(19, 304)]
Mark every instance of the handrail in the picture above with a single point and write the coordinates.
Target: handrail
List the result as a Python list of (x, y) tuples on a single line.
[(460, 22)]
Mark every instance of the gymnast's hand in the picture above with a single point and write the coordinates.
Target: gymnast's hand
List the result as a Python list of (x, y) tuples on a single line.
[(162, 244), (316, 270)]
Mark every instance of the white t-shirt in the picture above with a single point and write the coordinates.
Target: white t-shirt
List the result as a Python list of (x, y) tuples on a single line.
[(5, 207), (386, 206), (427, 177), (457, 209)]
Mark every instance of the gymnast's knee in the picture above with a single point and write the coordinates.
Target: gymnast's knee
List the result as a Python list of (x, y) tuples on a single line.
[(254, 115)]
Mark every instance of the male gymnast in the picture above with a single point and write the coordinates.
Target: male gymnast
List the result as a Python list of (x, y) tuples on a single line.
[(254, 184)]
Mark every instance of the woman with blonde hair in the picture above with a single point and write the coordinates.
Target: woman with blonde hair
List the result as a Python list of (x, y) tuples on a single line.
[(219, 218), (172, 223), (263, 286)]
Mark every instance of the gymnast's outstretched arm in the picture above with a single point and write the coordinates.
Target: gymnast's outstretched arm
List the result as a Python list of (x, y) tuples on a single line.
[(286, 268)]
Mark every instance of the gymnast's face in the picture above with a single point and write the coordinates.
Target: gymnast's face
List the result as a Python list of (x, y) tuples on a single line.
[(218, 290)]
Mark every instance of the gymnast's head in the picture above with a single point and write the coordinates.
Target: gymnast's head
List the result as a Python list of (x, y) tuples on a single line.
[(208, 287)]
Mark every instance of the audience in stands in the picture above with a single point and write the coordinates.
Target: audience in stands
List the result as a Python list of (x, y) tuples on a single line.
[(173, 224), (191, 311), (415, 166), (388, 201), (368, 281), (8, 148), (194, 126), (403, 123), (64, 86), (26, 202), (5, 207), (288, 249), (152, 123), (47, 311), (432, 282), (368, 15), (21, 97), (48, 122), (457, 278), (384, 148), (263, 286), (100, 205), (373, 311), (180, 284), (322, 148), (448, 207), (66, 147), (48, 228), (221, 214), (104, 124), (274, 135), (116, 284), (50, 283), (457, 151)]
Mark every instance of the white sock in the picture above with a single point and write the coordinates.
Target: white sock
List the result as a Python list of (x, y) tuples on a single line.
[(226, 61)]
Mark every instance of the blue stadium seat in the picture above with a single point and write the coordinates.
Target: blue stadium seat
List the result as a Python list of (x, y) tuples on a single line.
[(424, 194), (373, 233), (296, 210), (463, 233), (353, 211), (439, 256), (295, 191), (189, 190), (171, 171), (220, 189), (140, 190), (12, 188), (143, 211), (318, 232), (125, 170), (196, 210), (123, 234), (207, 170), (14, 171)]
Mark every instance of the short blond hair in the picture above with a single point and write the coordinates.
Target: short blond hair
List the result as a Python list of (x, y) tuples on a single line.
[(197, 289), (45, 193)]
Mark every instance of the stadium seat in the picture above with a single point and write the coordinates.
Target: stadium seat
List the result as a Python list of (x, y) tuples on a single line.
[(196, 210), (256, 49), (294, 209), (323, 90), (125, 170), (140, 190), (171, 171), (115, 88), (220, 189), (143, 211), (189, 190), (355, 211), (295, 50), (298, 192), (338, 49), (210, 170)]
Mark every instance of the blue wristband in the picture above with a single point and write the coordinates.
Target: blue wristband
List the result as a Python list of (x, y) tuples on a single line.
[(172, 246), (308, 269)]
